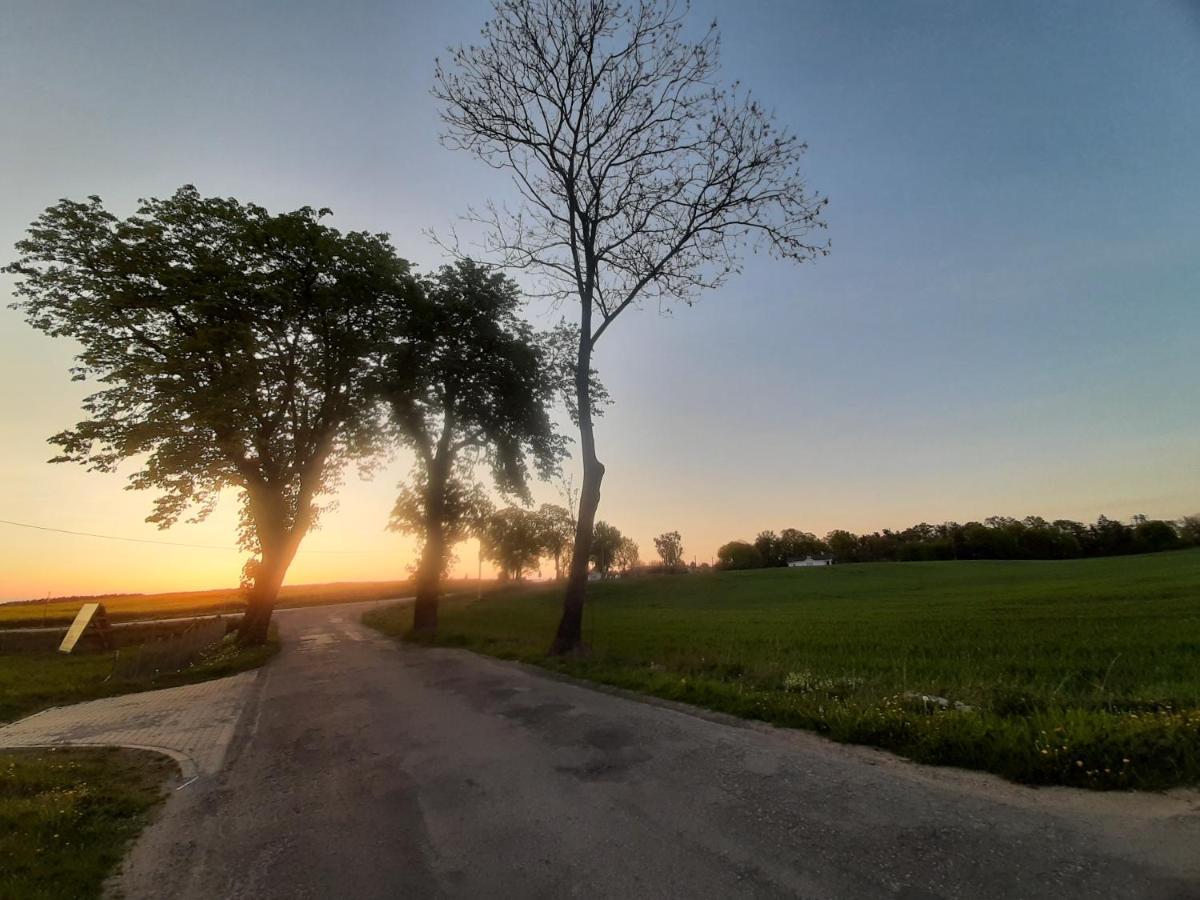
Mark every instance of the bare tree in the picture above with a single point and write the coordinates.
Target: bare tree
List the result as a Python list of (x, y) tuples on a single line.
[(639, 178)]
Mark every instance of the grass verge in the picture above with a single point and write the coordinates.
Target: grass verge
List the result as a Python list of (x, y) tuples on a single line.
[(33, 681), (1080, 672), (67, 815)]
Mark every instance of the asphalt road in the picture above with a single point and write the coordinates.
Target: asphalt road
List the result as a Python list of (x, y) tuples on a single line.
[(364, 769)]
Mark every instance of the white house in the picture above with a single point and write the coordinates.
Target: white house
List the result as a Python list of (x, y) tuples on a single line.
[(810, 561)]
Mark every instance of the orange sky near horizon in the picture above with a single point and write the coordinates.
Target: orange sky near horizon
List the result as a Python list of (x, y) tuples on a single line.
[(353, 544), (1007, 323)]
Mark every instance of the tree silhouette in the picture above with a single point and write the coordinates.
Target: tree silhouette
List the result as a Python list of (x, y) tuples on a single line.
[(467, 381), (558, 535), (639, 178), (233, 348), (670, 548), (512, 539)]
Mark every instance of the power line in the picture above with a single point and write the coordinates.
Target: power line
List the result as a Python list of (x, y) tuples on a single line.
[(133, 540)]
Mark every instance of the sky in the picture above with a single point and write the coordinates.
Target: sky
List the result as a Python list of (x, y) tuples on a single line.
[(1008, 323)]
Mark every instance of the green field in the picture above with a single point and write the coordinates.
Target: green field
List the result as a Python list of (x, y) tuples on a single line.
[(1082, 672), (66, 816), (33, 681), (128, 607)]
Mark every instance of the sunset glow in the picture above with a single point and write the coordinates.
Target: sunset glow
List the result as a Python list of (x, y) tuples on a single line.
[(1008, 324)]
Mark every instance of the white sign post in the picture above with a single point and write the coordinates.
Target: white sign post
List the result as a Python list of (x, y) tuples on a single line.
[(89, 614)]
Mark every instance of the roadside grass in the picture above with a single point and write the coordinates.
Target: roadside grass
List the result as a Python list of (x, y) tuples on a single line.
[(1079, 672), (127, 607), (33, 681), (67, 815)]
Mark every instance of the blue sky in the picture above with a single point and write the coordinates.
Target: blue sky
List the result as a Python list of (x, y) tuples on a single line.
[(1009, 322)]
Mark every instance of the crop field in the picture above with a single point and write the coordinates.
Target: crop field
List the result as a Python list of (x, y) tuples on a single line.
[(124, 607), (1081, 672)]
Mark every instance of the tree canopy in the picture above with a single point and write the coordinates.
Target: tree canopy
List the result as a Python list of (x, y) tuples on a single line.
[(669, 545), (605, 547), (739, 555), (232, 346), (628, 555), (512, 538), (469, 383), (996, 537), (558, 535)]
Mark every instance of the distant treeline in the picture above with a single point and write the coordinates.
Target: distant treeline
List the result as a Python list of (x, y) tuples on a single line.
[(997, 537)]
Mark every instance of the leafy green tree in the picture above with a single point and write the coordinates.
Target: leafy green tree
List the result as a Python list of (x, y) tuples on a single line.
[(669, 545), (558, 535), (1155, 535), (605, 547), (842, 545), (464, 512), (1189, 530), (512, 539), (796, 544), (641, 178), (467, 382), (1108, 537), (628, 555), (767, 545), (739, 555), (233, 350)]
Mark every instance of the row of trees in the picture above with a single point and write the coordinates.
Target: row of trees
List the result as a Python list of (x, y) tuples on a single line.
[(997, 537), (240, 349), (518, 539)]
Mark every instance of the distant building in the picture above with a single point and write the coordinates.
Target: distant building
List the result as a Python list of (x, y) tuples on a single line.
[(809, 561)]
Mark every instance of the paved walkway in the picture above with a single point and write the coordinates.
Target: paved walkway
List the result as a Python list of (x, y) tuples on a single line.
[(193, 723)]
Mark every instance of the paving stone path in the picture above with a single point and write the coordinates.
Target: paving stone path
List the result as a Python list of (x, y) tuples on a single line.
[(193, 723)]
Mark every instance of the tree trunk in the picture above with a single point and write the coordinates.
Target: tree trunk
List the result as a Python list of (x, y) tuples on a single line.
[(429, 576), (433, 555), (569, 638), (256, 621)]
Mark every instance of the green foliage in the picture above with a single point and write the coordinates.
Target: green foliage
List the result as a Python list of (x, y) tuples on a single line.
[(1154, 536), (606, 544), (232, 347), (467, 374), (468, 382), (67, 814), (628, 555), (512, 538), (997, 537), (777, 549), (557, 527), (669, 545), (1051, 672), (1189, 530), (739, 555), (465, 507), (562, 347)]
